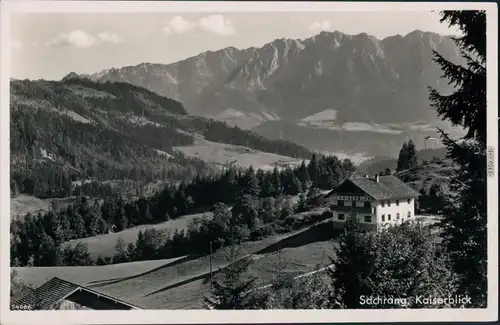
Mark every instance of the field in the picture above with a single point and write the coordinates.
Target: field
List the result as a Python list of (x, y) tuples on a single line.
[(24, 204), (104, 245), (225, 154), (180, 283), (36, 276)]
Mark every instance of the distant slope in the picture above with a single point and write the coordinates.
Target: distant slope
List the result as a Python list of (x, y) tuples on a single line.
[(76, 129), (225, 154)]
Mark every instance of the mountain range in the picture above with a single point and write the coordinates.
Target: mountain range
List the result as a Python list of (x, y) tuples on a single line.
[(307, 86)]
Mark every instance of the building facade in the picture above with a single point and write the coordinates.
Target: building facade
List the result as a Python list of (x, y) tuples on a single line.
[(375, 201)]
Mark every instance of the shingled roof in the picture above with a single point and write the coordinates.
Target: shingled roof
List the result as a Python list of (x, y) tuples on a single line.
[(51, 292), (388, 187)]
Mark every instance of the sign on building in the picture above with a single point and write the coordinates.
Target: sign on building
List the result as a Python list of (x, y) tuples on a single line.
[(352, 198)]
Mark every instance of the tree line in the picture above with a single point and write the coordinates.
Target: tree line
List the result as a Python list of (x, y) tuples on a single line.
[(251, 219), (238, 188)]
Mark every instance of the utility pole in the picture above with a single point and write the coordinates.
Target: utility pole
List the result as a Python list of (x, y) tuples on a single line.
[(425, 147), (210, 265)]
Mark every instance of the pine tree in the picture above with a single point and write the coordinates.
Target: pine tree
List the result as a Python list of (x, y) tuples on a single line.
[(303, 175), (402, 261), (120, 251), (465, 220), (295, 186), (310, 292), (349, 265), (276, 181), (77, 256), (412, 155), (312, 170), (48, 252), (249, 183), (403, 158), (280, 266), (231, 291)]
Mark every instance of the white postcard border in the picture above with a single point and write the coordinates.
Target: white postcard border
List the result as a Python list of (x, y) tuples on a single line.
[(271, 316)]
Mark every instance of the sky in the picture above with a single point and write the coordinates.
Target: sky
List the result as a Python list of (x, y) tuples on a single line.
[(51, 45)]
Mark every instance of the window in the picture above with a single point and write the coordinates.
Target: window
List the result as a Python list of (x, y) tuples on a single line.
[(383, 217), (340, 203), (368, 205), (368, 218), (341, 216), (388, 217), (388, 203), (397, 216), (409, 201), (397, 202), (383, 204), (409, 214)]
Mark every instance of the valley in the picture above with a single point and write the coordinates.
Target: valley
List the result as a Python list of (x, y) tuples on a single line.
[(298, 173), (123, 221)]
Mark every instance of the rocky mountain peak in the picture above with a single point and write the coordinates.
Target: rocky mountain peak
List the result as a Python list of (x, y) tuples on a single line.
[(359, 76)]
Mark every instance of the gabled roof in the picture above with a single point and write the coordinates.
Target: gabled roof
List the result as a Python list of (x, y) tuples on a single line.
[(53, 291), (388, 187)]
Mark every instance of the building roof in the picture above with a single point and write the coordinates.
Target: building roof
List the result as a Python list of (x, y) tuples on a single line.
[(387, 187), (53, 291)]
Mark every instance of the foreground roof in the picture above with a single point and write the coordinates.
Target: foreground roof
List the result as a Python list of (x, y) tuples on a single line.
[(387, 187), (53, 291)]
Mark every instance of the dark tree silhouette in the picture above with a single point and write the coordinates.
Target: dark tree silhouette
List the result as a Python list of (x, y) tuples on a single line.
[(465, 220)]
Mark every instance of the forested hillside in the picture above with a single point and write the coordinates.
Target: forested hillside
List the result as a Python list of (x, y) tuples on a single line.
[(257, 197), (76, 129)]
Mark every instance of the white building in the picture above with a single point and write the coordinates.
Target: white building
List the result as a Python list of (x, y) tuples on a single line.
[(381, 200)]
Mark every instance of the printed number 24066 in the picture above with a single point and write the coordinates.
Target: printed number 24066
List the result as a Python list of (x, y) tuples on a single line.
[(22, 307)]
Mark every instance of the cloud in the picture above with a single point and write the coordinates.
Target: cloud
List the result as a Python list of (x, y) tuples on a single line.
[(80, 39), (319, 26), (15, 44), (107, 37), (178, 25), (216, 24)]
